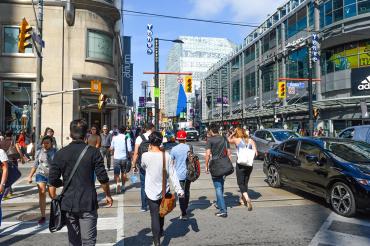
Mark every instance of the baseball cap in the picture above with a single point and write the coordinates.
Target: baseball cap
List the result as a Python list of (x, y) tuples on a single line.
[(181, 135)]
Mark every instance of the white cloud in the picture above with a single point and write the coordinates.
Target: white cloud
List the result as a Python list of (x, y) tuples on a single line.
[(251, 11)]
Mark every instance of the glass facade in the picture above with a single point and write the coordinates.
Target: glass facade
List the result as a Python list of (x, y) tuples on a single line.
[(99, 46), (196, 54), (10, 44), (337, 10), (17, 106)]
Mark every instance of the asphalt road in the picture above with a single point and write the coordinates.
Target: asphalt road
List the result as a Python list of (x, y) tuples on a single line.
[(280, 217)]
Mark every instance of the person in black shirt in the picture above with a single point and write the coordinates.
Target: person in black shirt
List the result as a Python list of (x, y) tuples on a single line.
[(80, 199)]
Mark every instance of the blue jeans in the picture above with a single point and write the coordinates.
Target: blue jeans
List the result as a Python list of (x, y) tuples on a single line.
[(144, 202), (218, 182)]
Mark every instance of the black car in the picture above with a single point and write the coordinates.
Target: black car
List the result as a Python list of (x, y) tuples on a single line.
[(335, 169)]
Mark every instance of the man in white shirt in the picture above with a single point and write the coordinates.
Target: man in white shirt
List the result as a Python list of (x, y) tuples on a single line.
[(136, 162), (121, 149)]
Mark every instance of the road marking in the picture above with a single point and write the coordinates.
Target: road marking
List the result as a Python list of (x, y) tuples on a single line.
[(327, 236), (26, 228), (120, 221)]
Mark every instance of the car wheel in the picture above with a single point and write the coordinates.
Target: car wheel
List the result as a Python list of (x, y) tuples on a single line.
[(342, 199), (273, 177)]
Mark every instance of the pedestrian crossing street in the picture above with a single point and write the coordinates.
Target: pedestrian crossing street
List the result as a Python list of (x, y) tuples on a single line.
[(341, 231)]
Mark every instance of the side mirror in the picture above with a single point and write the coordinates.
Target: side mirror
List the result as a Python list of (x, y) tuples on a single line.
[(312, 158)]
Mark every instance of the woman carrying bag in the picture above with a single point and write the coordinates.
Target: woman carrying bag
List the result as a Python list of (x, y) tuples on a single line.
[(152, 163), (246, 151)]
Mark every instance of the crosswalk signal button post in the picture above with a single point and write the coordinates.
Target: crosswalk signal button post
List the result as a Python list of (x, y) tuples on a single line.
[(282, 90)]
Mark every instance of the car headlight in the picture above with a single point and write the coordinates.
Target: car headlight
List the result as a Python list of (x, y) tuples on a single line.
[(363, 181)]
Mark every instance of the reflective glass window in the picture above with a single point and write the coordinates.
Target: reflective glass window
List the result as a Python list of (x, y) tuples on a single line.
[(236, 91), (322, 16), (99, 46), (350, 10), (292, 27), (328, 13), (363, 6), (311, 14), (10, 44), (301, 19)]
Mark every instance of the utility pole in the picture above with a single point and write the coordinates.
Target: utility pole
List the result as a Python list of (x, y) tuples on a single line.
[(146, 111), (40, 17), (156, 82)]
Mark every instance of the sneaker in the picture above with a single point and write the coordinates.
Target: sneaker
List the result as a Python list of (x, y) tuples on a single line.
[(143, 209), (221, 214), (184, 217), (41, 221), (118, 189)]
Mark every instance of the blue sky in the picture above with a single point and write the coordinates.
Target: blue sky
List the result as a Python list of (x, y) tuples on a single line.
[(246, 11)]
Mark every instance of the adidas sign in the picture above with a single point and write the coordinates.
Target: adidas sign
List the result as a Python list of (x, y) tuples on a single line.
[(365, 84)]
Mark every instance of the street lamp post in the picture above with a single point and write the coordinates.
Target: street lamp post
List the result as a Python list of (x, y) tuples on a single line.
[(156, 74)]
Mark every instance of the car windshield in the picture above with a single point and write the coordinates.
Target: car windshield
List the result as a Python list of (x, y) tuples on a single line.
[(189, 129), (351, 151), (284, 135)]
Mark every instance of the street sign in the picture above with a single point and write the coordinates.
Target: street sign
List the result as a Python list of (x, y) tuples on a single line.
[(156, 92), (291, 90), (95, 86), (300, 85), (179, 80), (38, 39), (149, 39)]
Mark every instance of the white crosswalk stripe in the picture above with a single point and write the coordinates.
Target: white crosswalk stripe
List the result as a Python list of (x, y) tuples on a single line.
[(338, 231), (25, 228)]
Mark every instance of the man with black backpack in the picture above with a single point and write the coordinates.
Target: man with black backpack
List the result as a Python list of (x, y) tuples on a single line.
[(142, 146), (179, 155)]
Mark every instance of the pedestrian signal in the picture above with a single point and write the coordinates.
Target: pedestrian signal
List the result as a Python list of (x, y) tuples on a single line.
[(281, 89), (316, 113), (95, 86), (24, 36), (102, 101), (188, 84)]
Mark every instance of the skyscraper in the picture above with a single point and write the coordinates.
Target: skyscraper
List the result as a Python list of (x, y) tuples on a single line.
[(196, 55)]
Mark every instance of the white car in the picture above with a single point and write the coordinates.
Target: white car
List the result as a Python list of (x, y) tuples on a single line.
[(357, 133)]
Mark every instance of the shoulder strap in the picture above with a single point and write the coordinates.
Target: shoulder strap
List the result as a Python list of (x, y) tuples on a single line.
[(164, 174), (191, 148), (74, 169), (143, 138)]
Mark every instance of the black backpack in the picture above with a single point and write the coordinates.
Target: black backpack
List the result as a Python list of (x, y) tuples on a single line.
[(143, 147), (192, 165)]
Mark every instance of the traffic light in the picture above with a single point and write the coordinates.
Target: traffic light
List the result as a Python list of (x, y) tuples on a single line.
[(24, 35), (188, 84), (316, 113), (281, 89), (102, 101)]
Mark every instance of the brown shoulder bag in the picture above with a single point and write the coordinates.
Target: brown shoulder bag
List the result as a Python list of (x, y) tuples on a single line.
[(168, 199)]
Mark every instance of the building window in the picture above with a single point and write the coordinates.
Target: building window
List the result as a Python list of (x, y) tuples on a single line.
[(328, 13), (350, 8), (338, 10), (10, 44), (250, 84), (268, 78), (17, 106), (236, 91), (363, 6), (99, 46)]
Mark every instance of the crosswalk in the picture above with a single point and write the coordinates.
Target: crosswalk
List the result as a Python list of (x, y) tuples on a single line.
[(341, 231)]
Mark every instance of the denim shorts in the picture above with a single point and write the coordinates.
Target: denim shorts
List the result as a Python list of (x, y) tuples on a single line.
[(41, 179), (121, 166)]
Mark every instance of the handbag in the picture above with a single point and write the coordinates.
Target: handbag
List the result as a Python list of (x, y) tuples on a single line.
[(221, 166), (168, 202), (12, 151), (57, 216), (245, 155), (13, 174)]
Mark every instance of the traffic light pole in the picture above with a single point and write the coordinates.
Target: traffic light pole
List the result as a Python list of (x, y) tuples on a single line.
[(39, 73), (156, 81)]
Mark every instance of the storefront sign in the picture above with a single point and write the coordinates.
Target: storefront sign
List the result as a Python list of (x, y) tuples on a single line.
[(149, 39), (315, 47), (360, 81), (141, 102), (296, 43)]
